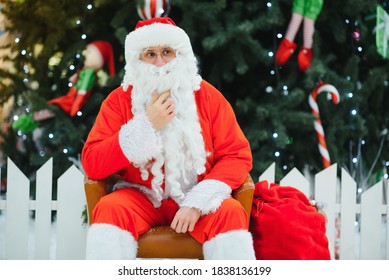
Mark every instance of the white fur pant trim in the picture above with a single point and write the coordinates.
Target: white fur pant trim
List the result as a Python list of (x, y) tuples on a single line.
[(109, 242), (231, 245)]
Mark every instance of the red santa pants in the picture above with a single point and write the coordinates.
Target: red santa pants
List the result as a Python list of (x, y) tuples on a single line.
[(130, 210)]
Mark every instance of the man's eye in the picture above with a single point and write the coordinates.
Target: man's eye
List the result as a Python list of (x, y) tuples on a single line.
[(150, 54)]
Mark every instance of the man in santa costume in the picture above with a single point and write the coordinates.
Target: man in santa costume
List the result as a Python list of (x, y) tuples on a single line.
[(175, 141)]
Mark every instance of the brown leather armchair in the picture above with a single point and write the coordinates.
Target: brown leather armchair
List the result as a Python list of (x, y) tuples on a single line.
[(162, 241)]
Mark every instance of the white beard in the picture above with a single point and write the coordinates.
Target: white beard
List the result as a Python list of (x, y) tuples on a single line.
[(183, 154)]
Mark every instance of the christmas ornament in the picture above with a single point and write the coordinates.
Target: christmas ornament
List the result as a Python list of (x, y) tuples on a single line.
[(356, 35), (25, 124), (382, 32), (302, 10), (153, 8), (97, 54), (322, 87)]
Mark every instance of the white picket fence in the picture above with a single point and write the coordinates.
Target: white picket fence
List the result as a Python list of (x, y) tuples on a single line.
[(68, 230), (364, 232)]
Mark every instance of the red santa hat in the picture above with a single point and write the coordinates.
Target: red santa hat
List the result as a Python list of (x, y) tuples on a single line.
[(160, 31), (106, 52)]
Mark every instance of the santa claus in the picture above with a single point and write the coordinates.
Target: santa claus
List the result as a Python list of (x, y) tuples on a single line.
[(175, 141)]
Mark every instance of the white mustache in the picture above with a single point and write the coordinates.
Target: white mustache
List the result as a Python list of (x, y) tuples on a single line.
[(162, 70)]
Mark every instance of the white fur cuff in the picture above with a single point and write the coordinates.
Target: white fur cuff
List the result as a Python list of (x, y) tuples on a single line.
[(109, 242), (231, 245), (207, 196), (139, 140)]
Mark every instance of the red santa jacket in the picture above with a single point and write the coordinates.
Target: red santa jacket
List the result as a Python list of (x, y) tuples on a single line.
[(229, 156)]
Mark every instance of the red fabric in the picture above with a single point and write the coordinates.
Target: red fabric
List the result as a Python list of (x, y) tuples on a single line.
[(130, 210), (229, 159), (285, 226), (66, 101), (164, 20)]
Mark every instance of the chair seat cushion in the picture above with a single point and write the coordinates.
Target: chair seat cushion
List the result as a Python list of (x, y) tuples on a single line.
[(164, 242)]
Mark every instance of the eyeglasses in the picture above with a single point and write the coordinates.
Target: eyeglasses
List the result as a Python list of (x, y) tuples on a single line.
[(151, 55)]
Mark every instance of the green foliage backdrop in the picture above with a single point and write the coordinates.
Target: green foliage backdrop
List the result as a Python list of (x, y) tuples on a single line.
[(235, 42)]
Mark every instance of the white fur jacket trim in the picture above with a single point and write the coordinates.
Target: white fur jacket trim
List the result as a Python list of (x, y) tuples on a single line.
[(139, 141), (207, 196)]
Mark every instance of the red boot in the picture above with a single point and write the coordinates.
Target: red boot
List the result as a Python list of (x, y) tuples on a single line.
[(285, 50), (304, 59)]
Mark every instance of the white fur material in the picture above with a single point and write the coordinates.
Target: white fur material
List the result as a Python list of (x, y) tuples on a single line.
[(207, 196), (109, 242), (231, 245), (157, 34), (139, 140)]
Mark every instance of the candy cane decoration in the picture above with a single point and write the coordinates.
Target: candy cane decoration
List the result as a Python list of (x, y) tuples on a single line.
[(318, 126)]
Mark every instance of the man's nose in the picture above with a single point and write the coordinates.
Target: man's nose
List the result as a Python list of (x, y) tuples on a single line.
[(159, 61)]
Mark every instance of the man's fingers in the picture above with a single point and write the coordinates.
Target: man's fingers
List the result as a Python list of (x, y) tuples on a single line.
[(173, 225), (154, 97), (162, 98)]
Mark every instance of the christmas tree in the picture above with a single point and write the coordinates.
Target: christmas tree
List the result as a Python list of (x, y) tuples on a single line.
[(236, 44)]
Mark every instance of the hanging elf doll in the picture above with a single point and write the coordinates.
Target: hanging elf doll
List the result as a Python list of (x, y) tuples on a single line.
[(302, 10), (97, 54)]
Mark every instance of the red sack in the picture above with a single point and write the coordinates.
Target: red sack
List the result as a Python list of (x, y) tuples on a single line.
[(285, 226)]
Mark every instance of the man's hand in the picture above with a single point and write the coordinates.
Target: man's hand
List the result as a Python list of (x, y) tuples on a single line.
[(185, 219), (160, 111)]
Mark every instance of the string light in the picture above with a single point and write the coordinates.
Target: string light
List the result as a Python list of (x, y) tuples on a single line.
[(279, 35), (17, 40), (270, 54), (83, 36), (277, 153), (275, 135), (285, 90)]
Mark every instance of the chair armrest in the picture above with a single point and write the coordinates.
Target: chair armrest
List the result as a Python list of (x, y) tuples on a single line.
[(94, 190), (245, 194)]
